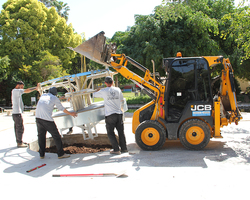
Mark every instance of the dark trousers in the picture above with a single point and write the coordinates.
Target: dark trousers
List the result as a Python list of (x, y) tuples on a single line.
[(18, 127), (115, 121), (42, 127)]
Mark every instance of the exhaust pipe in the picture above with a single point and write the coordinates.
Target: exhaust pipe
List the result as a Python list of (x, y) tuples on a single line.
[(96, 49)]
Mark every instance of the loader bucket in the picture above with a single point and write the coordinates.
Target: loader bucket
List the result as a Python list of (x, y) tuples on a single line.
[(95, 49)]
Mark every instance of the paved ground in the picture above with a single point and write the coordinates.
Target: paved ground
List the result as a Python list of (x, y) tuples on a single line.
[(220, 171)]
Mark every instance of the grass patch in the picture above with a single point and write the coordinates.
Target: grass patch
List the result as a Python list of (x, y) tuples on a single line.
[(131, 110), (127, 95), (138, 100), (98, 99)]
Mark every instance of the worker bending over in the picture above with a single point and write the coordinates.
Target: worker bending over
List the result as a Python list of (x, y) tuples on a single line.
[(45, 122)]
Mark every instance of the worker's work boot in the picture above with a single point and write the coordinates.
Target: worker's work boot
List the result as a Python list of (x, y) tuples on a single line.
[(64, 156), (22, 145), (115, 152)]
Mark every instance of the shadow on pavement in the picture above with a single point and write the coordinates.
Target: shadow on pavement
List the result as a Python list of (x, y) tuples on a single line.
[(173, 154)]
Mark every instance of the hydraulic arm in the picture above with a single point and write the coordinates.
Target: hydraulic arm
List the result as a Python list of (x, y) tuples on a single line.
[(225, 106), (96, 49)]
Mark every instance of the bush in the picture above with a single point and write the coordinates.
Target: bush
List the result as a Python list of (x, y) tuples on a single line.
[(138, 100), (27, 98)]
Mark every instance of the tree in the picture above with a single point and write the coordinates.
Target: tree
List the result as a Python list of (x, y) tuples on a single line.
[(28, 28), (153, 38), (45, 68), (238, 30), (4, 63), (119, 38), (61, 8), (193, 27), (47, 3)]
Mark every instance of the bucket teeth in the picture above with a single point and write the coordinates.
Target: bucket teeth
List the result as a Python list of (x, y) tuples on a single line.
[(96, 49)]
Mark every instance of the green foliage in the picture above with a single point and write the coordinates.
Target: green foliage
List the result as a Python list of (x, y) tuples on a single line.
[(28, 27), (244, 70), (238, 30), (131, 98), (119, 38), (174, 27), (27, 97), (138, 100), (27, 30), (4, 63), (61, 8), (194, 27), (47, 67)]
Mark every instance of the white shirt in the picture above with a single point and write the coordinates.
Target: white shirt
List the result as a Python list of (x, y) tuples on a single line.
[(46, 105), (113, 99), (17, 102)]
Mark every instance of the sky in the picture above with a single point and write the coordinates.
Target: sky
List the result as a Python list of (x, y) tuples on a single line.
[(110, 16), (93, 16)]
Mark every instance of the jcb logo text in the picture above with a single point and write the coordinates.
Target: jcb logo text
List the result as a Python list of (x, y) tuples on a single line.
[(200, 107)]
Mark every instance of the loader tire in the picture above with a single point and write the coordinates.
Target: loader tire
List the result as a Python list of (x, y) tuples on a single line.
[(150, 135), (194, 134)]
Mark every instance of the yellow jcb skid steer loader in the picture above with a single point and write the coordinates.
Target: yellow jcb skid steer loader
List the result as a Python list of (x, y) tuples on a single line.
[(183, 106)]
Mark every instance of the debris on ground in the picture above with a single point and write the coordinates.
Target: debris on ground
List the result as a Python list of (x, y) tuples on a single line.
[(80, 148)]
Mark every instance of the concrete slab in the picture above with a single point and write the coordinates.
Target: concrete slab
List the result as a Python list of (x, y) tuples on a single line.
[(221, 170)]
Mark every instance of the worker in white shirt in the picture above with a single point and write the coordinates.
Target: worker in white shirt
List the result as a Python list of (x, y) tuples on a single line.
[(45, 122), (113, 99)]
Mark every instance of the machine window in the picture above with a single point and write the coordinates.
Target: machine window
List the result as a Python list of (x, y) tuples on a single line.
[(182, 87), (189, 82), (203, 81)]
